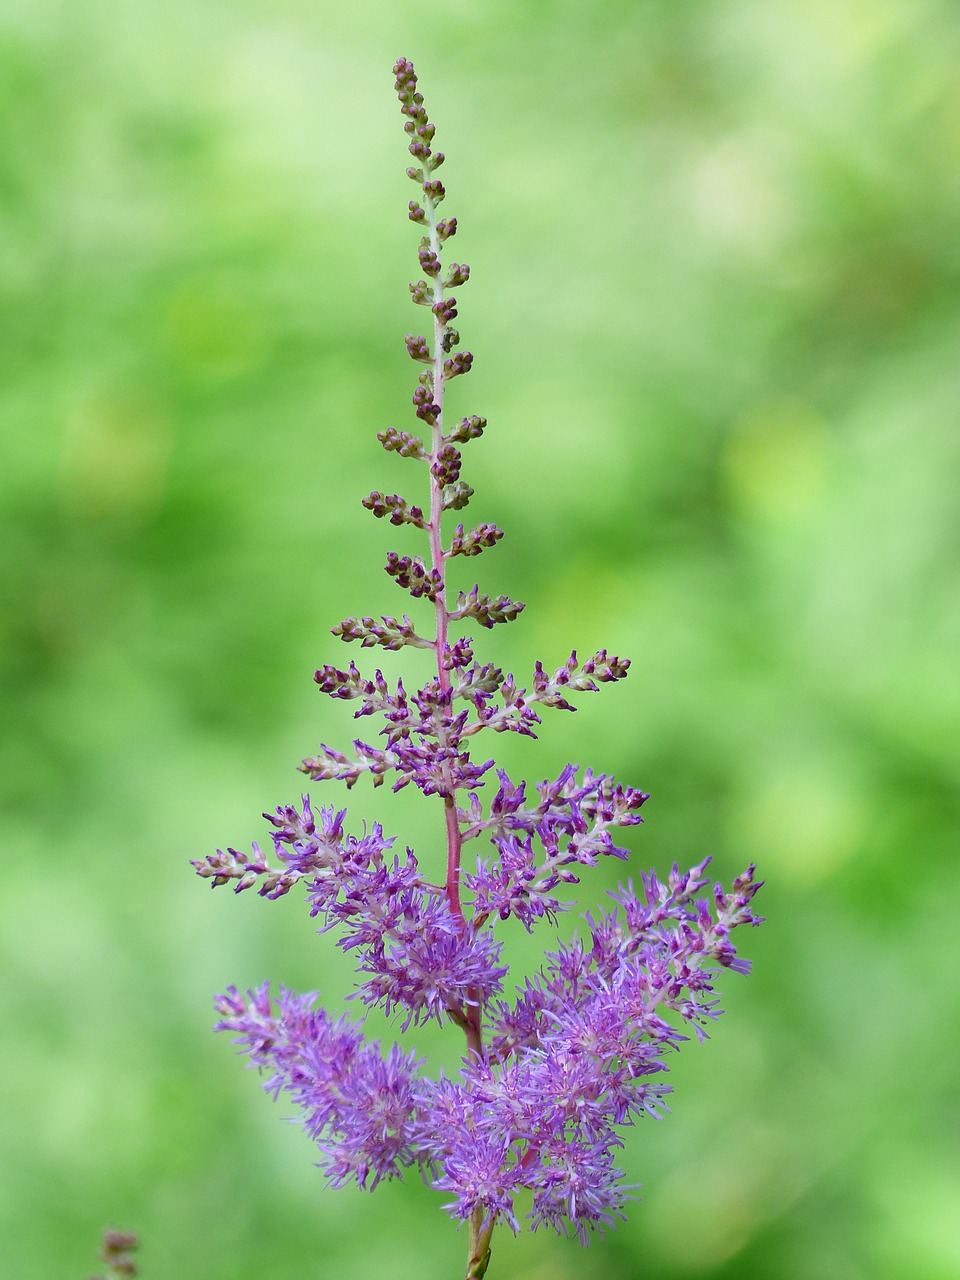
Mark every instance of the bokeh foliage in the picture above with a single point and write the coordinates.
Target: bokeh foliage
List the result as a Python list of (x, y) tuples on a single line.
[(715, 312)]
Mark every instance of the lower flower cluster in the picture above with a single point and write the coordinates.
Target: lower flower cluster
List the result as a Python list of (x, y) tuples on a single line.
[(577, 1055)]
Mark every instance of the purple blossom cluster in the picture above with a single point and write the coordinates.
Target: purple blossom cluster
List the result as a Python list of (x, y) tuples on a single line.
[(552, 1073)]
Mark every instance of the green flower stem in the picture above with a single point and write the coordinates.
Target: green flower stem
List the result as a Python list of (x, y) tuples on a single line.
[(478, 1258)]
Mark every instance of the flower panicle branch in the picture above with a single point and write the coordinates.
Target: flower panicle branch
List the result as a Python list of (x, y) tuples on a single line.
[(552, 1074)]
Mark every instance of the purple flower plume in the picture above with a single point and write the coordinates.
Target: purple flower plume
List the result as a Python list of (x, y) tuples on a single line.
[(359, 1107), (554, 1071)]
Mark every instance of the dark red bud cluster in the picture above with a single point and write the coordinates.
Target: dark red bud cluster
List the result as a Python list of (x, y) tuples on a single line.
[(116, 1251), (424, 405), (467, 429), (605, 668), (388, 632), (458, 655), (411, 573), (446, 466), (476, 540), (460, 362), (417, 125), (342, 684), (546, 689), (332, 764), (421, 293), (549, 690), (245, 870), (396, 508), (445, 309), (487, 610), (402, 442), (417, 348), (411, 102), (514, 715), (429, 262)]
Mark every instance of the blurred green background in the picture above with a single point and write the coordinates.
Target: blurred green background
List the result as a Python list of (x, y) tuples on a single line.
[(716, 315)]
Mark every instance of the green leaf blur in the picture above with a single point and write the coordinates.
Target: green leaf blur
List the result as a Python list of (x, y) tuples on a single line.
[(714, 306)]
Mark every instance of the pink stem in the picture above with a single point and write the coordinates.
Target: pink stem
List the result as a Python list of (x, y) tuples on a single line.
[(438, 558)]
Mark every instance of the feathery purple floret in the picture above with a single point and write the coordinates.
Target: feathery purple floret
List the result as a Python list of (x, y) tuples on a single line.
[(359, 1107), (579, 1051)]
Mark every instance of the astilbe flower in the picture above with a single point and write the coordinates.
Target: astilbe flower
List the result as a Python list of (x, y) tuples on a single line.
[(552, 1073)]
